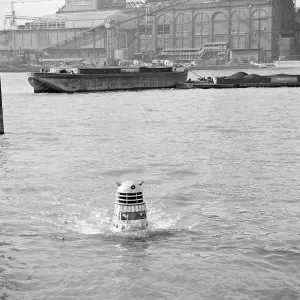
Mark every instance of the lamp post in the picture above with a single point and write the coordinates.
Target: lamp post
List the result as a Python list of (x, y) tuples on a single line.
[(259, 33), (229, 24), (110, 40), (262, 25), (1, 112), (258, 44)]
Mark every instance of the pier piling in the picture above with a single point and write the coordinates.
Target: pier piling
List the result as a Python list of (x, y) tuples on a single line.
[(1, 112)]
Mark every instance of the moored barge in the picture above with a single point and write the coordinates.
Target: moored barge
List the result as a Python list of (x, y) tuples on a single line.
[(105, 79), (243, 80)]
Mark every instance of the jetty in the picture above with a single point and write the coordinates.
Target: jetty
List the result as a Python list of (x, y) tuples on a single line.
[(242, 80)]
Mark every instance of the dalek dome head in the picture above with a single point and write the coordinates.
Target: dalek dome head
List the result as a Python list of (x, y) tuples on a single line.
[(129, 187)]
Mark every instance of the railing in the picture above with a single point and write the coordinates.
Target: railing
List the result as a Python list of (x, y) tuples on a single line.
[(207, 51)]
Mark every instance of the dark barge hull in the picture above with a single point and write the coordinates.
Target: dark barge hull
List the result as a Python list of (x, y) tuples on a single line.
[(72, 83)]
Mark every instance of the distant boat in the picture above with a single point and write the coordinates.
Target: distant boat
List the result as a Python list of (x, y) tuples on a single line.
[(263, 65), (64, 80), (267, 65), (288, 62)]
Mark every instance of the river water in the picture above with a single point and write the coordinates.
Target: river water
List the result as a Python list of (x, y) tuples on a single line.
[(221, 171)]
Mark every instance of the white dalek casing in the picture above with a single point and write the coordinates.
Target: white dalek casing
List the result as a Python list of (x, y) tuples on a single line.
[(130, 212)]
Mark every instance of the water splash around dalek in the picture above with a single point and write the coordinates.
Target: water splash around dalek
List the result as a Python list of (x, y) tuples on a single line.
[(130, 212)]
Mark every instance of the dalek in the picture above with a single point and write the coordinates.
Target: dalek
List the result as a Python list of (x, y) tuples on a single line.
[(130, 212)]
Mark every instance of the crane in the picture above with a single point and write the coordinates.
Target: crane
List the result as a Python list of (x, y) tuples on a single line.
[(10, 21)]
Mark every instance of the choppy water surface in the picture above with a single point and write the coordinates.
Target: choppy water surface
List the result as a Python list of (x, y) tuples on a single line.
[(221, 171)]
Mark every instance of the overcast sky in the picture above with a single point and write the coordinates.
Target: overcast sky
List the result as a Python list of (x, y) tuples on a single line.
[(40, 8)]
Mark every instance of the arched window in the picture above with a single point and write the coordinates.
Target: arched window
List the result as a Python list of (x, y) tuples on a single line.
[(239, 30), (163, 28), (239, 22), (259, 29), (201, 29), (145, 27), (220, 28), (182, 22), (163, 25), (259, 20)]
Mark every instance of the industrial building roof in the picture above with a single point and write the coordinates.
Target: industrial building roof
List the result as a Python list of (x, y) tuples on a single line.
[(86, 19), (86, 15)]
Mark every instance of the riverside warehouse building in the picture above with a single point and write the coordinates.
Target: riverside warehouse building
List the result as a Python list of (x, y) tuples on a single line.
[(106, 30)]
